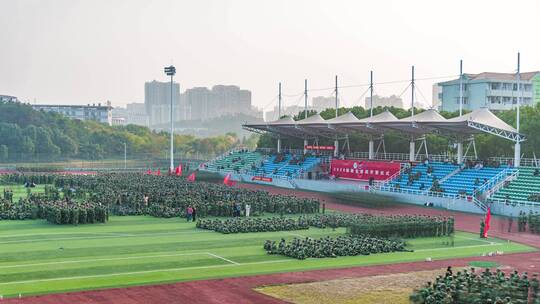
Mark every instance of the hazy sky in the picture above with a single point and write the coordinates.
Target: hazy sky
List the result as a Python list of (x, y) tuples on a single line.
[(68, 51)]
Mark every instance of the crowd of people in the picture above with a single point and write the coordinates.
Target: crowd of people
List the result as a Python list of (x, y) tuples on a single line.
[(468, 286), (403, 226), (333, 247), (171, 196), (250, 224)]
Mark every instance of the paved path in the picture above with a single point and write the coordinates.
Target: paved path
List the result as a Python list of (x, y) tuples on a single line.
[(240, 290)]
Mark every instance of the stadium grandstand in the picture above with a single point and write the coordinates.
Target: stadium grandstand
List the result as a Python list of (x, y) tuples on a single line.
[(459, 182)]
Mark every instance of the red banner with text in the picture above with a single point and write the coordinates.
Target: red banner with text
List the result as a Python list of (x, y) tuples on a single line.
[(363, 170), (261, 178), (323, 148)]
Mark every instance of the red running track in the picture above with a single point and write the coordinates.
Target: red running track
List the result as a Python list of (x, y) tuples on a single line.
[(240, 290)]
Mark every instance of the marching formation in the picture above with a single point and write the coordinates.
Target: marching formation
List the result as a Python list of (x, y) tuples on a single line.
[(486, 287), (236, 225), (333, 247), (403, 226)]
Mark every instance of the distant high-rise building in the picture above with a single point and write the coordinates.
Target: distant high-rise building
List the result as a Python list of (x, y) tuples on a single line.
[(203, 104), (157, 97), (321, 103), (198, 103), (288, 111), (379, 101)]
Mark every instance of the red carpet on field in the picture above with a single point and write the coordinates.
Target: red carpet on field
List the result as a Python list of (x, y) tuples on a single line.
[(240, 290)]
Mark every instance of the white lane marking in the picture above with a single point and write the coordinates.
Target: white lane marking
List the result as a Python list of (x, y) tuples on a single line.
[(103, 260), (478, 240), (296, 234), (101, 237), (458, 247), (59, 233), (220, 257), (143, 272)]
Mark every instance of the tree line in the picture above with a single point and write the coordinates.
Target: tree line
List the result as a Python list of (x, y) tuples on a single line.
[(27, 134), (487, 145)]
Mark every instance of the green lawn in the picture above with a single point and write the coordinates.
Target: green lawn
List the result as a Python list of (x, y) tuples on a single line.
[(38, 258), (19, 191)]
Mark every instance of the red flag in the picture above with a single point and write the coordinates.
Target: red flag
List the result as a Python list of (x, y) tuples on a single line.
[(149, 171), (158, 172), (488, 219), (191, 177), (227, 180), (179, 170)]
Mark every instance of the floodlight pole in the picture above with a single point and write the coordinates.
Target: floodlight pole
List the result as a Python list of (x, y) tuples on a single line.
[(170, 71), (125, 155), (517, 147)]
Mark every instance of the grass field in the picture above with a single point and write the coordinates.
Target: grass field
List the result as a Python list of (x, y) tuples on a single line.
[(19, 191), (37, 258)]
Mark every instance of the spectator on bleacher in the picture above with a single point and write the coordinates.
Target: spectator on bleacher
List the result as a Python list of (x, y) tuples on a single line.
[(477, 181), (426, 162), (536, 172), (479, 166), (422, 187)]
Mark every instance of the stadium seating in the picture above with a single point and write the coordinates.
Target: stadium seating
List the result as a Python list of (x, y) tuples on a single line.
[(236, 162), (287, 167), (440, 170), (467, 180), (521, 188)]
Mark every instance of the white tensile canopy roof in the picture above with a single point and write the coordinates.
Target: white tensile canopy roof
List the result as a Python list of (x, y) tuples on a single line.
[(427, 122)]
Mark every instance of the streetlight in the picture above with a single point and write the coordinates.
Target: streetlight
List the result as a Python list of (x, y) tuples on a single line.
[(170, 71)]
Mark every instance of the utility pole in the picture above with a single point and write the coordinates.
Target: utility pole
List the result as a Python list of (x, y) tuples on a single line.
[(460, 87), (170, 71), (371, 94), (517, 147), (279, 101), (305, 98), (412, 91), (125, 155), (337, 99)]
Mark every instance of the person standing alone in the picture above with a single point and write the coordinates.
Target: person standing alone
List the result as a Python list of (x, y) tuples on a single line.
[(189, 213)]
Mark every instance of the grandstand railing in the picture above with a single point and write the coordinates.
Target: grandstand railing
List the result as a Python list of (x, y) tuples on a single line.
[(418, 192), (495, 180), (475, 201), (510, 177), (387, 181), (446, 177), (524, 162), (514, 202)]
